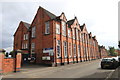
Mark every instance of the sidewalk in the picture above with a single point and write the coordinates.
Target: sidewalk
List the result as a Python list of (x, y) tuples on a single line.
[(115, 75)]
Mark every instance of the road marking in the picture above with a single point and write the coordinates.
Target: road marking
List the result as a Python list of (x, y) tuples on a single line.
[(110, 74)]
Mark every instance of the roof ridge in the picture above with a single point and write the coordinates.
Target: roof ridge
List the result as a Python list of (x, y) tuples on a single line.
[(27, 25), (49, 13)]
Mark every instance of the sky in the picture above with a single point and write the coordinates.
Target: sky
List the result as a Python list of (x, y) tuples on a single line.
[(100, 17)]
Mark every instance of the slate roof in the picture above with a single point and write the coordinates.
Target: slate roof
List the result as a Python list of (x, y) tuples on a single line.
[(51, 15), (70, 22), (81, 27), (27, 25)]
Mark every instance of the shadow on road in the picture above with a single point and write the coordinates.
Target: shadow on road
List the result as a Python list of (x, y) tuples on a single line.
[(105, 69)]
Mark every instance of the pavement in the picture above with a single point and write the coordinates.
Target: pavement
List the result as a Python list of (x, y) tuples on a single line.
[(115, 75), (83, 70)]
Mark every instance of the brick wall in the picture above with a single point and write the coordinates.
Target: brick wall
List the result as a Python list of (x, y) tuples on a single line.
[(8, 64)]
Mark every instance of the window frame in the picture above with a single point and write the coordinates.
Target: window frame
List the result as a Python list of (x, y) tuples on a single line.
[(47, 27), (58, 45), (65, 49), (64, 28), (57, 28), (33, 32)]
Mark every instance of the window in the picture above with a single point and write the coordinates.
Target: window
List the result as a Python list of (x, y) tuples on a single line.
[(78, 50), (26, 45), (73, 34), (69, 33), (57, 28), (74, 50), (47, 27), (65, 49), (77, 34), (70, 49), (32, 47), (58, 49), (82, 37), (24, 37), (63, 28), (33, 32)]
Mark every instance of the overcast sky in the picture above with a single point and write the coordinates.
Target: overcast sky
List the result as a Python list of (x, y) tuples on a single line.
[(100, 17)]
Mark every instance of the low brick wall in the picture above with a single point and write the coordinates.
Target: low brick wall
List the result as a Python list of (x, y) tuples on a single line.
[(10, 64)]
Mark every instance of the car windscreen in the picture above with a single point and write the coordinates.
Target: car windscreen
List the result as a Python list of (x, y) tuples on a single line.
[(106, 59)]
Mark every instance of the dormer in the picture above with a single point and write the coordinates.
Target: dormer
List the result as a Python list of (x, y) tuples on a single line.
[(62, 17), (90, 34), (84, 29)]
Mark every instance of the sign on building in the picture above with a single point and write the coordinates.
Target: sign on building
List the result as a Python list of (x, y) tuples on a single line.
[(48, 50)]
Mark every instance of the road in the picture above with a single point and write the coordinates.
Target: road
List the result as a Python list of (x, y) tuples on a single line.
[(89, 69)]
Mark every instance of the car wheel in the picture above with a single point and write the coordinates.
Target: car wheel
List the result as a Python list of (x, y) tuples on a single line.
[(102, 67)]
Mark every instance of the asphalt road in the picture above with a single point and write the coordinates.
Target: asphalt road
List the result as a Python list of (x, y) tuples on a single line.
[(89, 69)]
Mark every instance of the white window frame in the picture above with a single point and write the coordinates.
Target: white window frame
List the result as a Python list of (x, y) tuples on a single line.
[(70, 49), (78, 50), (47, 27), (58, 46), (57, 28), (74, 48), (63, 28), (69, 33), (77, 34), (26, 36), (65, 49), (26, 45), (33, 47), (33, 32), (73, 31)]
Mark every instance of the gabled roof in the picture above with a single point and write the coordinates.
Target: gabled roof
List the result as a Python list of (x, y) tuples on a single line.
[(27, 25), (82, 27), (51, 15), (70, 22)]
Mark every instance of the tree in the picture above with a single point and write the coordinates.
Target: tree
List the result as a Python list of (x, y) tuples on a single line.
[(112, 51)]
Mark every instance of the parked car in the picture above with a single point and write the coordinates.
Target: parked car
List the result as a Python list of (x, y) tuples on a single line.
[(109, 63)]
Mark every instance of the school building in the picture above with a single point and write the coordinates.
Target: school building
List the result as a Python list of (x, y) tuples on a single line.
[(54, 40)]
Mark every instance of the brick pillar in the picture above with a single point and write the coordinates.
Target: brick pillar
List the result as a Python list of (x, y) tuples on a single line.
[(1, 60), (18, 61)]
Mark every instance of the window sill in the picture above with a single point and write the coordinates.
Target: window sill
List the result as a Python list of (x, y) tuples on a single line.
[(33, 37), (47, 34)]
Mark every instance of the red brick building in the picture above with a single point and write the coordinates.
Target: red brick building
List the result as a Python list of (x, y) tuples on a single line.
[(103, 52), (55, 40)]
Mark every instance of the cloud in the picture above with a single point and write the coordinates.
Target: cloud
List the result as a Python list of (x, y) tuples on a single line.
[(9, 49), (100, 16)]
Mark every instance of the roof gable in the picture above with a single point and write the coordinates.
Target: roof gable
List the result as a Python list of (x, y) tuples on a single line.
[(27, 25), (63, 17), (51, 15), (22, 24), (70, 22), (83, 28)]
